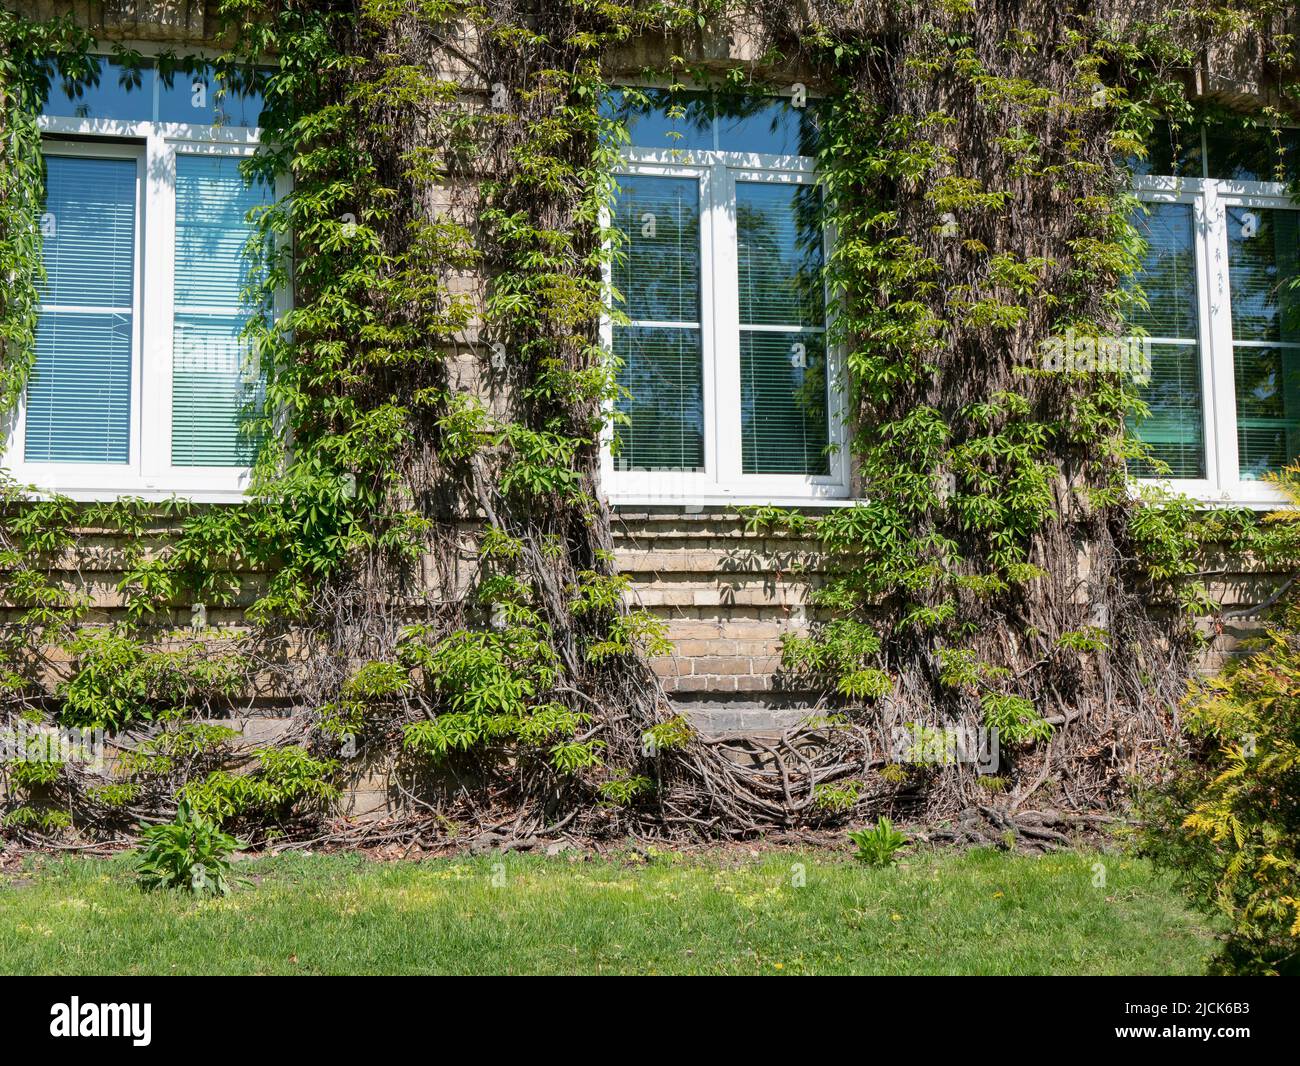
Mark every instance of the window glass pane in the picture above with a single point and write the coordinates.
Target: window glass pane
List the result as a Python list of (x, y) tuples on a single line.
[(783, 403), (1175, 428), (1168, 274), (1171, 152), (204, 99), (778, 229), (215, 386), (658, 272), (658, 276), (79, 396), (1268, 398), (782, 371), (118, 92), (1262, 252), (660, 118), (685, 119), (1262, 270), (765, 124), (1235, 149), (662, 370), (1243, 151)]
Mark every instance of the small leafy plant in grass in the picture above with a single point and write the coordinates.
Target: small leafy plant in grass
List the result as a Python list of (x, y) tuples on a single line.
[(879, 844), (191, 852)]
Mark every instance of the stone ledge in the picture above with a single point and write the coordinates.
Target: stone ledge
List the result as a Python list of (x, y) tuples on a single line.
[(742, 719)]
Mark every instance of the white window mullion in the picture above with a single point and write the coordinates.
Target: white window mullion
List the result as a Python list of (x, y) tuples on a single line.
[(160, 210), (607, 474), (837, 378), (724, 332), (1216, 313)]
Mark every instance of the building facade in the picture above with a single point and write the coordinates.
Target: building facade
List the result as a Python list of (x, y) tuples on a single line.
[(734, 398)]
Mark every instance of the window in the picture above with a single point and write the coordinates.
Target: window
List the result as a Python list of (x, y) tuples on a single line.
[(142, 382), (1219, 277), (728, 386), (1174, 430)]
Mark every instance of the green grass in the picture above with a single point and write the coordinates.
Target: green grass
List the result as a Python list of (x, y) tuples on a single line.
[(981, 912)]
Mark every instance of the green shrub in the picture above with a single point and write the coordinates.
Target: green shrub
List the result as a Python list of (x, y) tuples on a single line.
[(119, 682), (190, 852), (879, 845), (44, 819), (283, 779), (1228, 822), (837, 798)]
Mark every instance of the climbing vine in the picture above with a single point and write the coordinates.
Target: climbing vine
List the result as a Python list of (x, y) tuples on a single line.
[(1000, 577), (426, 571)]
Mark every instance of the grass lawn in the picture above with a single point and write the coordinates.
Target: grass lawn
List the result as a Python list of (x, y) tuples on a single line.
[(981, 912)]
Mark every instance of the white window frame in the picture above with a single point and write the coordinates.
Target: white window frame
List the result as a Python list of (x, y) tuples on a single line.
[(149, 472), (721, 481), (1210, 198)]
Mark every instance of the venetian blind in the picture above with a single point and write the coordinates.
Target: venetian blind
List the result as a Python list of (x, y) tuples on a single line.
[(660, 354), (1262, 269), (79, 395), (1175, 428), (216, 388), (783, 386)]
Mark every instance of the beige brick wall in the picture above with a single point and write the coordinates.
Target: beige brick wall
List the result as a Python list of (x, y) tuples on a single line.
[(726, 595), (166, 21)]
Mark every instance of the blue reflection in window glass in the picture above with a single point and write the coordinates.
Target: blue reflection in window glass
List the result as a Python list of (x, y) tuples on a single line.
[(660, 118), (118, 92), (1243, 151), (1170, 152), (203, 98), (730, 122), (768, 125)]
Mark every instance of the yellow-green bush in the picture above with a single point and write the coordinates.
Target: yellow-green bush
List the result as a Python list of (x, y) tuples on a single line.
[(1229, 821)]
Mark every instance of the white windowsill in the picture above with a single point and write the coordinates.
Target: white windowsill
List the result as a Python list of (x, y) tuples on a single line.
[(1263, 500), (699, 503), (104, 495)]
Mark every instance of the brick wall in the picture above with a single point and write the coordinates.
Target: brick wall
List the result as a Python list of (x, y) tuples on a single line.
[(169, 21), (727, 597)]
